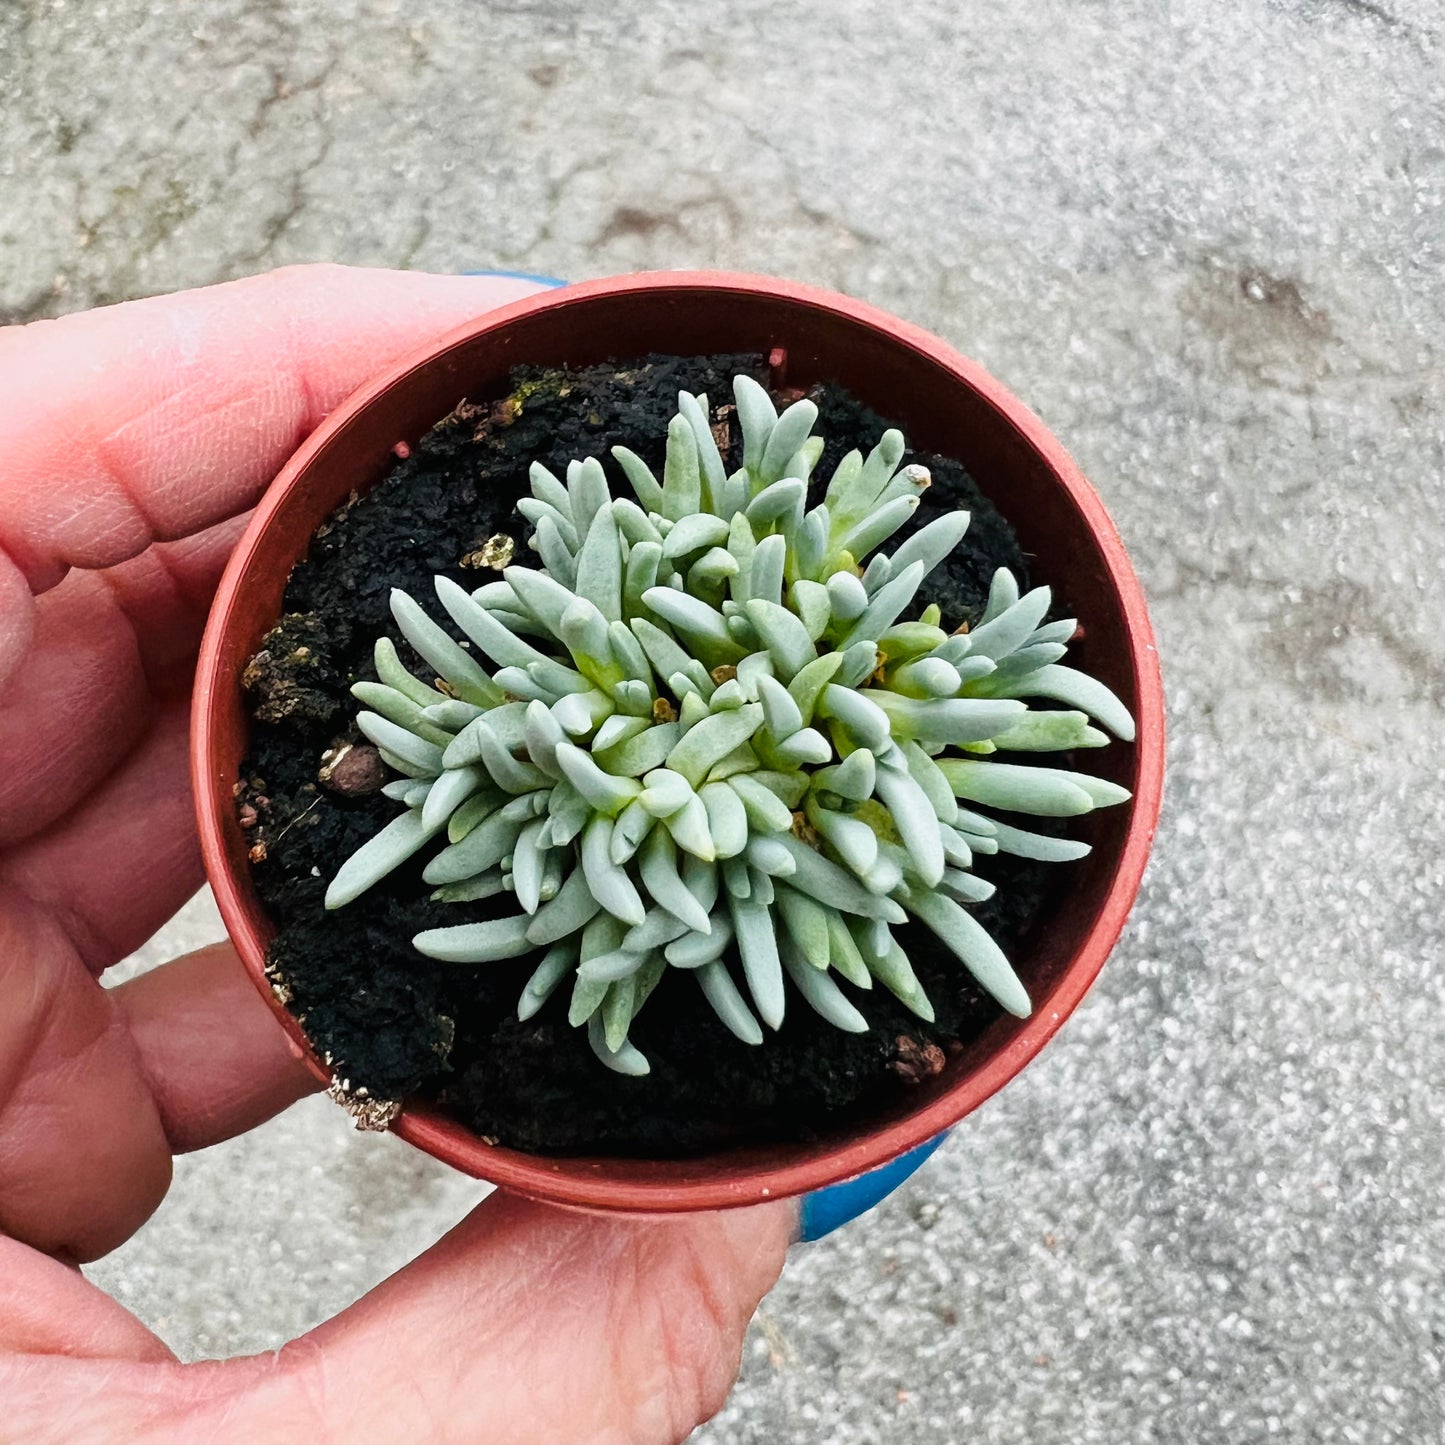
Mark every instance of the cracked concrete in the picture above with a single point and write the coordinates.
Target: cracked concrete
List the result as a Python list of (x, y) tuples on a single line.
[(1204, 241)]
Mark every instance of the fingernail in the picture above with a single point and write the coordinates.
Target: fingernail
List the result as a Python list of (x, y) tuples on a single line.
[(825, 1210)]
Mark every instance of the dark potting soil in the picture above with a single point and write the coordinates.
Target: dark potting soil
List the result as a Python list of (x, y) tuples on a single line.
[(396, 1023)]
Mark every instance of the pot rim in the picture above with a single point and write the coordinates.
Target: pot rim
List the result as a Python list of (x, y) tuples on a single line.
[(587, 1183)]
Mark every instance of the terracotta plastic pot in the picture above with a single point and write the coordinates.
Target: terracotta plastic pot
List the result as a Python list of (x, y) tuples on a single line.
[(944, 403)]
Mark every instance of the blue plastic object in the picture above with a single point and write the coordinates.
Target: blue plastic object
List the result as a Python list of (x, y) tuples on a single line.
[(828, 1209)]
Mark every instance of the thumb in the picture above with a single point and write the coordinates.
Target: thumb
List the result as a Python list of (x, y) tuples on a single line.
[(530, 1324), (525, 1325)]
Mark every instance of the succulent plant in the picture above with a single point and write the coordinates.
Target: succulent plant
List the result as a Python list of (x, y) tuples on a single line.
[(710, 735)]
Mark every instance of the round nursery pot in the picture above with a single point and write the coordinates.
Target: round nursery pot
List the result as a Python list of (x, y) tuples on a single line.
[(946, 404)]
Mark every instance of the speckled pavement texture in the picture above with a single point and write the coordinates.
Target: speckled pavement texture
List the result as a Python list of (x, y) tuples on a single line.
[(1205, 241)]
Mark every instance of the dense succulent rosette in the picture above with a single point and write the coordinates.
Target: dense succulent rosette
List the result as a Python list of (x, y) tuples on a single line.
[(709, 734)]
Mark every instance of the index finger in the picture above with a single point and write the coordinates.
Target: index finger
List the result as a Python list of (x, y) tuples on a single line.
[(155, 419)]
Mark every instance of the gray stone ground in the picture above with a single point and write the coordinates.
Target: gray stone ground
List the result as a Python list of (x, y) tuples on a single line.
[(1204, 240)]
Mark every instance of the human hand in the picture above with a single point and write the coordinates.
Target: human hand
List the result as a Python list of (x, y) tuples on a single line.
[(133, 439)]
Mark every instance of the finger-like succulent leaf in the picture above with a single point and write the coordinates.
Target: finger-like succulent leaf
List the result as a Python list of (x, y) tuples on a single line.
[(390, 848)]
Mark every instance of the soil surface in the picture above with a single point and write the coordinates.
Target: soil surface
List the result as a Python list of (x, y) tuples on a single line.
[(394, 1023)]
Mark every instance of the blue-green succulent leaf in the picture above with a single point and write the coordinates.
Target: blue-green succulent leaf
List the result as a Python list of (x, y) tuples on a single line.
[(390, 670), (821, 993), (559, 961), (378, 856), (758, 949), (491, 942), (962, 932), (727, 1003)]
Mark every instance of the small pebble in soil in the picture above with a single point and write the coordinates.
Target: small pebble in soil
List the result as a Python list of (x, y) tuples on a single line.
[(495, 552), (916, 1061), (352, 770)]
